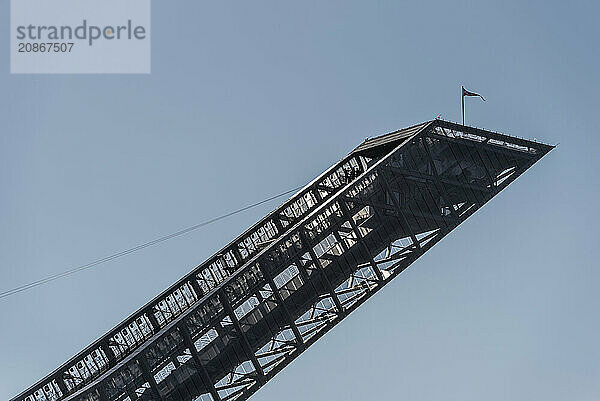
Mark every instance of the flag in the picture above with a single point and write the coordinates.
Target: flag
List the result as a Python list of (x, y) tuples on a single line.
[(464, 93), (467, 93)]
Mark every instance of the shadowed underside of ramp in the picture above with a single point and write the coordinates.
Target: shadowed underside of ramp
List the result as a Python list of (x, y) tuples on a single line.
[(232, 323)]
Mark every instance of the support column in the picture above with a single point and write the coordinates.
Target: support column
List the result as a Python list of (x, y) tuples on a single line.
[(359, 238), (386, 188), (187, 339), (245, 344), (281, 303), (147, 373), (61, 385), (317, 262)]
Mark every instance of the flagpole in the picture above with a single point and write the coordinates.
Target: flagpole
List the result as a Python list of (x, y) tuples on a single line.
[(462, 99)]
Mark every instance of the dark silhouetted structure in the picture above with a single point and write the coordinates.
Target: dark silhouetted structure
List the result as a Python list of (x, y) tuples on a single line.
[(232, 323)]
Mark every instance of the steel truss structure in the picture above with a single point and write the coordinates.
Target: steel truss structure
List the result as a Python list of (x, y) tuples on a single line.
[(231, 324)]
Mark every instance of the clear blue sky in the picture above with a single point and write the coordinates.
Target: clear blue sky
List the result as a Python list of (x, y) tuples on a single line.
[(249, 99)]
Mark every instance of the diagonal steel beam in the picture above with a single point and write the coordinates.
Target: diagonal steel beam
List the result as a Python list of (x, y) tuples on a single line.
[(242, 336), (359, 238), (189, 343), (317, 262)]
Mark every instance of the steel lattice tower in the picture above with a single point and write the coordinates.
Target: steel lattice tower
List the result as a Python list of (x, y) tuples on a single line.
[(232, 323)]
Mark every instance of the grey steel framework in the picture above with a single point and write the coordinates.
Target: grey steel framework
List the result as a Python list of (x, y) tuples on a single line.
[(232, 323)]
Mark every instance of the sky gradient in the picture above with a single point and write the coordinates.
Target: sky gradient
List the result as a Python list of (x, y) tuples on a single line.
[(248, 100)]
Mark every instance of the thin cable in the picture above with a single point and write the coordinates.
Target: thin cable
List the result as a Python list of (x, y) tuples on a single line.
[(136, 248)]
